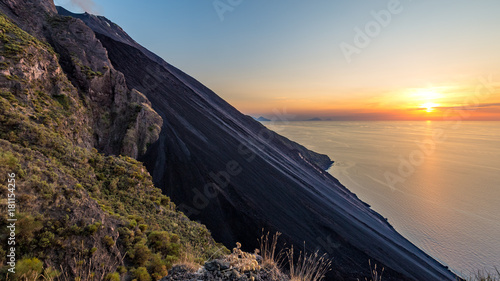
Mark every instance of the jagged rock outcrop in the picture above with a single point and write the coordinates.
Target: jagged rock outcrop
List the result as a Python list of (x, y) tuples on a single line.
[(120, 116), (122, 120), (230, 172)]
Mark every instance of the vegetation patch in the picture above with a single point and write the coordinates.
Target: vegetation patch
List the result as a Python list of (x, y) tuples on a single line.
[(15, 40)]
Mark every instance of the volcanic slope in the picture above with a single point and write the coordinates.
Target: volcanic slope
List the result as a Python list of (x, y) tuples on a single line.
[(228, 171)]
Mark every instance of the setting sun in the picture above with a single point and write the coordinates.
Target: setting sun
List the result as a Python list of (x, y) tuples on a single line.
[(429, 106)]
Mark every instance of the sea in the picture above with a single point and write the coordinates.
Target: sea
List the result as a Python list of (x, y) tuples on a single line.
[(437, 182)]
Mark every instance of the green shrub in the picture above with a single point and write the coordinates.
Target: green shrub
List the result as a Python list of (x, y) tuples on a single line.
[(141, 274), (75, 230), (143, 227), (164, 201), (174, 238), (115, 276), (63, 100), (10, 160), (108, 241), (31, 267), (46, 239), (141, 254), (159, 241), (121, 269), (132, 224), (170, 260), (92, 228), (158, 267)]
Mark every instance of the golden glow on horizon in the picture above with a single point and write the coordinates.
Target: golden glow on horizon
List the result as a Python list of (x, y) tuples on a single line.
[(425, 99), (429, 106), (436, 102)]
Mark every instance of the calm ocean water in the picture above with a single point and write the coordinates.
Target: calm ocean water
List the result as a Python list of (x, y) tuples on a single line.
[(437, 183)]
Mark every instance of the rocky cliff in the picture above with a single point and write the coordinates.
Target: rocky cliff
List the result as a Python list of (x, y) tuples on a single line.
[(66, 114), (237, 177), (117, 115)]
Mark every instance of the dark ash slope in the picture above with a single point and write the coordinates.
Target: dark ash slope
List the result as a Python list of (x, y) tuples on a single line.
[(230, 172)]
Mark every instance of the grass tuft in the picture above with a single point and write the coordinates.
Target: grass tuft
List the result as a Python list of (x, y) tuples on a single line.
[(376, 276), (309, 267), (268, 250)]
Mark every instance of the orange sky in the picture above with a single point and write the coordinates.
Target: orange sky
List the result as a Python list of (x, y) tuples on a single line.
[(441, 63), (290, 56), (467, 102)]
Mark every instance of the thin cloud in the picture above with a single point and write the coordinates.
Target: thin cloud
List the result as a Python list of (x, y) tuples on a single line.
[(464, 107), (87, 5)]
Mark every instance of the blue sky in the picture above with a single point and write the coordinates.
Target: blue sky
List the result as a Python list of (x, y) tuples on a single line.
[(286, 54)]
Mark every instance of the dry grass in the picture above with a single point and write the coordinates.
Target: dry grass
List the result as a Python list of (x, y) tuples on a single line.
[(309, 267), (187, 260), (272, 261), (376, 276), (268, 250)]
